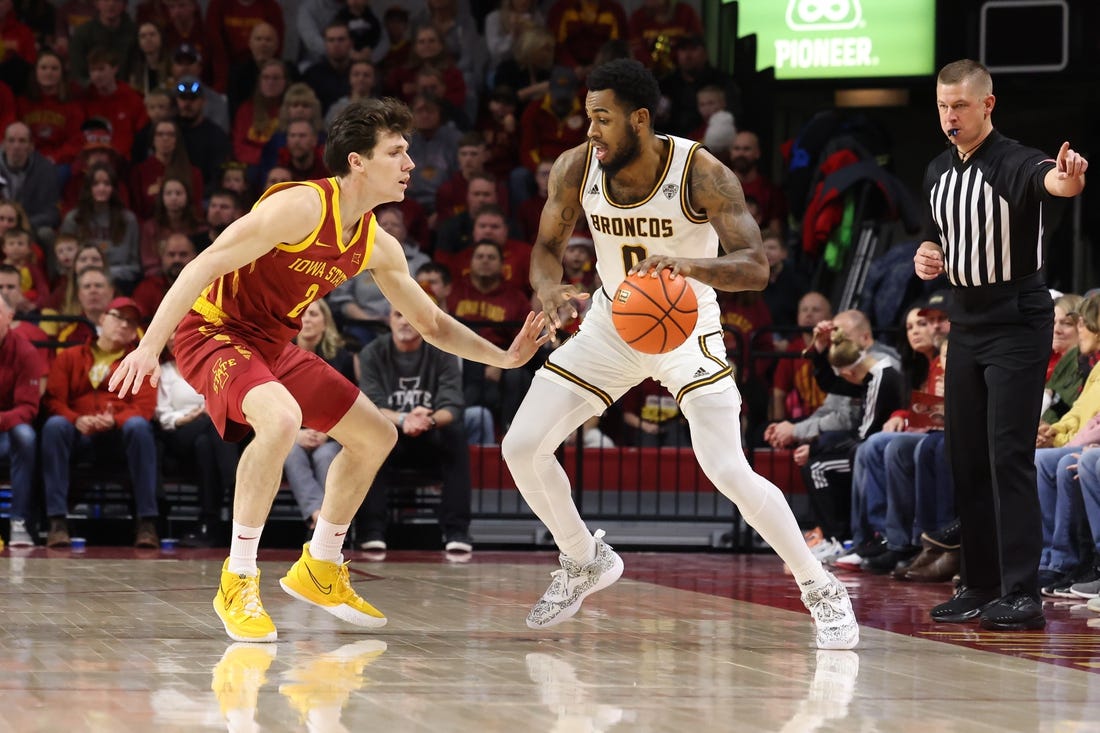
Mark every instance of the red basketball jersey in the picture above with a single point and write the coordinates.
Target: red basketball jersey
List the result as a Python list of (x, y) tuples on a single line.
[(264, 300)]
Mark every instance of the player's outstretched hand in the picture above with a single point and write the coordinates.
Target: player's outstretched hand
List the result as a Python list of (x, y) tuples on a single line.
[(653, 265), (133, 369), (555, 298), (1071, 164), (527, 341)]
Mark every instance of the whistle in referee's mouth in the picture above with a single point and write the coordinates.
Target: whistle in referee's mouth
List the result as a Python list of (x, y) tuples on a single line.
[(953, 131)]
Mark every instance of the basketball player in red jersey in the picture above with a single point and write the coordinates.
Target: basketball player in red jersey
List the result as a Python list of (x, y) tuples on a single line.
[(239, 304), (652, 202)]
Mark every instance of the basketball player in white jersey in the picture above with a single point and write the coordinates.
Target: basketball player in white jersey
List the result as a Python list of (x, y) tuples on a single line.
[(652, 202)]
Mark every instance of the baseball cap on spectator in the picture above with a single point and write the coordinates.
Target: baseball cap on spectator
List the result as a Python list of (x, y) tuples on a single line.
[(122, 304), (563, 84), (689, 40), (188, 87), (187, 54), (97, 133), (938, 301)]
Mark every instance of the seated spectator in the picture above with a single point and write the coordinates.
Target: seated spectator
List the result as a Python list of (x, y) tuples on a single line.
[(433, 145), (362, 79), (169, 160), (152, 66), (367, 38), (257, 119), (1064, 378), (678, 113), (505, 26), (527, 74), (278, 174), (21, 370), (176, 250), (450, 199), (651, 417), (97, 152), (187, 75), (207, 142), (328, 76), (744, 160), (312, 17), (436, 280), (231, 28), (306, 467), (454, 232), (551, 126), (299, 103), (363, 309), (397, 44), (173, 214), (1057, 451), (113, 100), (827, 461), (499, 125), (94, 292), (883, 471), (484, 297), (101, 218), (263, 46), (225, 207), (490, 225), (786, 285), (110, 27), (795, 393), (461, 41), (190, 438), (86, 416), (581, 27), (34, 286), (419, 389), (158, 107), (578, 268), (184, 26), (234, 177), (427, 49), (65, 249), (52, 112), (31, 180), (302, 155), (10, 291), (63, 297)]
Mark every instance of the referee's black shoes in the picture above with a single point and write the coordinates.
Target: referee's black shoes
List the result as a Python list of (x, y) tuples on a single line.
[(966, 605), (1017, 611)]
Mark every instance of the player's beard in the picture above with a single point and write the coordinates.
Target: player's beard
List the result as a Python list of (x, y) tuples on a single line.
[(626, 154)]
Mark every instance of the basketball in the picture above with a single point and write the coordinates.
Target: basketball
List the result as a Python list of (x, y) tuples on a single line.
[(654, 315)]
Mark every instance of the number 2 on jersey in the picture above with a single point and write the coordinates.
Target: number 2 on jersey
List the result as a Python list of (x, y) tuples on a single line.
[(311, 293)]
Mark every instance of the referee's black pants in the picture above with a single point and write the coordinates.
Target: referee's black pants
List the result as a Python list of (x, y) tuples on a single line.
[(997, 357)]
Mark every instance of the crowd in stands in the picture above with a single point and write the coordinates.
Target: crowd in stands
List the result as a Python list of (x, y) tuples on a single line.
[(132, 137)]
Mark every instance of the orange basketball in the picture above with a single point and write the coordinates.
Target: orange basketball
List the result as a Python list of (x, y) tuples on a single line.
[(654, 314)]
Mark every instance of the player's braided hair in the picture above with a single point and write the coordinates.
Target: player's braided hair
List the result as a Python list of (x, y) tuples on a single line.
[(356, 130)]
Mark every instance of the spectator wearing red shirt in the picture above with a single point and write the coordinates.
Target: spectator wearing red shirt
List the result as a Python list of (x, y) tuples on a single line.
[(490, 225), (483, 296), (17, 252), (184, 26), (302, 155), (114, 100), (229, 26), (450, 198), (176, 250), (581, 27), (553, 124), (85, 415), (7, 106), (499, 126), (795, 392), (169, 160), (51, 112), (427, 49), (69, 15), (173, 213), (258, 117)]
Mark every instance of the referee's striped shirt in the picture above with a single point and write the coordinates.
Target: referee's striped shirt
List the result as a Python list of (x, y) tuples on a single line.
[(987, 212)]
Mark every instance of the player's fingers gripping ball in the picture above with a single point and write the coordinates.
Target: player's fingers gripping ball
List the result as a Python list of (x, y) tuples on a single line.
[(654, 314)]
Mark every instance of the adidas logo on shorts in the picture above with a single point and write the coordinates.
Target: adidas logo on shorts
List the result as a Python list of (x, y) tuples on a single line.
[(700, 372)]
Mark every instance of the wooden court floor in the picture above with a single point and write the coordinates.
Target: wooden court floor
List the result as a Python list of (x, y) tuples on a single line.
[(114, 639)]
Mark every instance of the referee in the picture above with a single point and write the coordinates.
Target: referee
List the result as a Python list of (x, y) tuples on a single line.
[(984, 228)]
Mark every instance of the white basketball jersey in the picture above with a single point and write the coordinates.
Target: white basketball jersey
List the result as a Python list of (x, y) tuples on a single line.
[(661, 223)]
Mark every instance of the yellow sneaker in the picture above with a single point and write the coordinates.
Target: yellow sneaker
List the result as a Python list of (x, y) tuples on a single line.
[(327, 681), (240, 674), (326, 584), (238, 605)]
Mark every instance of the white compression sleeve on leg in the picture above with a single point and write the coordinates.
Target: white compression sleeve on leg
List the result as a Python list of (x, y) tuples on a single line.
[(713, 419), (548, 415)]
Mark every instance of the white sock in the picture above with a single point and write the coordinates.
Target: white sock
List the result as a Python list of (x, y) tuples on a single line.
[(328, 539), (243, 548)]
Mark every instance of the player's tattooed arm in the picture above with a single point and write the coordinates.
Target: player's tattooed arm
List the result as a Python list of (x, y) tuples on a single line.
[(559, 216), (715, 191)]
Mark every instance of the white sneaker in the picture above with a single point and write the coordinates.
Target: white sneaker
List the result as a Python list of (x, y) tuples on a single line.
[(573, 583), (851, 561), (827, 550), (833, 615), (20, 537)]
